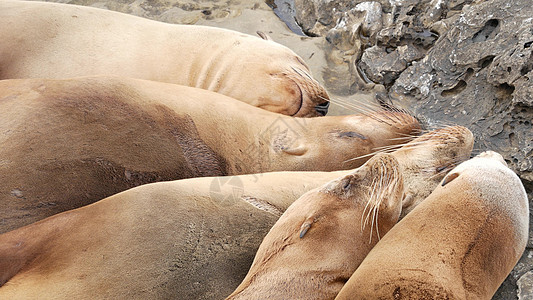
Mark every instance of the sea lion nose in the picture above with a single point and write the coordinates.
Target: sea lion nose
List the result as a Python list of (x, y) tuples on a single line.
[(322, 108)]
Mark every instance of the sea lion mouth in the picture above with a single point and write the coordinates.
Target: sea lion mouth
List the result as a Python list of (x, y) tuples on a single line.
[(301, 99)]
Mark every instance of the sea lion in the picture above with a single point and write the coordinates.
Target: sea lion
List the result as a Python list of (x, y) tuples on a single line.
[(459, 243), (67, 143), (188, 239), (51, 40), (319, 241), (164, 240)]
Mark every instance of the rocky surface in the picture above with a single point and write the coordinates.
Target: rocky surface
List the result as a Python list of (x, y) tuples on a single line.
[(465, 62), (450, 62)]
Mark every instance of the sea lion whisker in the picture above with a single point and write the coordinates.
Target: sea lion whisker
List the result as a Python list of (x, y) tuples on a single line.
[(389, 118), (352, 107), (362, 156), (324, 98), (390, 147), (440, 125), (302, 73), (411, 144), (358, 105), (369, 203), (378, 201), (363, 219), (406, 137)]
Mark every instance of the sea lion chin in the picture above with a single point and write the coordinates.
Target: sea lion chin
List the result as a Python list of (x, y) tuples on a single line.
[(459, 243)]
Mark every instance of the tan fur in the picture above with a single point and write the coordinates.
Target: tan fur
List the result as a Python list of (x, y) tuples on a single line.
[(459, 243), (50, 40), (180, 239), (321, 239), (163, 240), (67, 143), (423, 170), (316, 268)]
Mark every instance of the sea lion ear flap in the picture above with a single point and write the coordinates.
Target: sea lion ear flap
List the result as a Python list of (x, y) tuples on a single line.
[(297, 150), (449, 178), (264, 36), (304, 228)]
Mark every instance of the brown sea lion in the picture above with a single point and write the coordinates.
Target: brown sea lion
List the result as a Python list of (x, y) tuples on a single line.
[(50, 40), (459, 243), (67, 143), (187, 239), (319, 241)]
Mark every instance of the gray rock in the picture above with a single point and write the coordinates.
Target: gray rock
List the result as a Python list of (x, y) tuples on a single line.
[(384, 67)]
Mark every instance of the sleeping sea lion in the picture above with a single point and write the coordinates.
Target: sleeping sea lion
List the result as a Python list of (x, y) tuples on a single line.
[(67, 143), (319, 241), (459, 243), (51, 40), (188, 239)]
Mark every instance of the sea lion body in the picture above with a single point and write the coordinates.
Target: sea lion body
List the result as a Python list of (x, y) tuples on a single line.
[(321, 238), (179, 239), (68, 143), (196, 241), (459, 243), (51, 40)]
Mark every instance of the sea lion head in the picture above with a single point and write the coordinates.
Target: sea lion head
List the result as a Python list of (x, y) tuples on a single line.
[(279, 81), (324, 235), (426, 160), (341, 142), (379, 186)]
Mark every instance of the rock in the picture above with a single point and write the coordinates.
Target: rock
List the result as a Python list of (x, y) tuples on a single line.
[(316, 17), (480, 77), (383, 67), (525, 286), (450, 62)]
